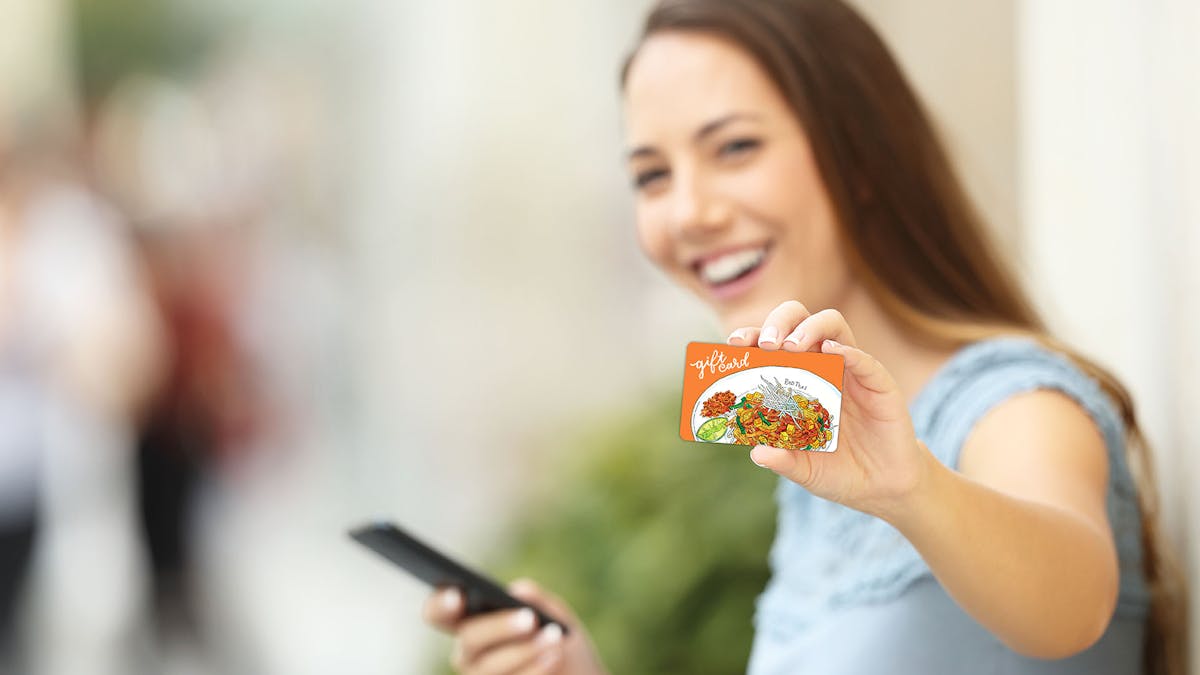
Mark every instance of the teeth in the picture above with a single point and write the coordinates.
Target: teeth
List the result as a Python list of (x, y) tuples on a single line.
[(727, 267)]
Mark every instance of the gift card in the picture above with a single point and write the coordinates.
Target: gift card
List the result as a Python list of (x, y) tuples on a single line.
[(752, 396)]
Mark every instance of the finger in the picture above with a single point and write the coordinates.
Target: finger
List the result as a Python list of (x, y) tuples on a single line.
[(486, 631), (529, 591), (549, 662), (443, 609), (866, 369), (797, 466), (827, 324), (517, 656), (744, 337), (781, 321)]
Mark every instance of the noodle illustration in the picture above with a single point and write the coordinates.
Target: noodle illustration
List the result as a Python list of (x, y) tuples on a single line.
[(775, 415)]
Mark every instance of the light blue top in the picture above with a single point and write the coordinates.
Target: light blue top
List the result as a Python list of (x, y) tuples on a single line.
[(848, 594)]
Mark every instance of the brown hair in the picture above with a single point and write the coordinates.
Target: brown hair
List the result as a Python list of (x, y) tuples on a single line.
[(909, 230)]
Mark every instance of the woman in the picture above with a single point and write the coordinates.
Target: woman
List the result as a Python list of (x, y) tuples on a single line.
[(980, 513)]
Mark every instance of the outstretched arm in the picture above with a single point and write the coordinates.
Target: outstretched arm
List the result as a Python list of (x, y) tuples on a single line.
[(1019, 538)]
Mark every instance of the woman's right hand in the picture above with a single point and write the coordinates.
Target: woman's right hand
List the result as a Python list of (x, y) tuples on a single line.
[(505, 642)]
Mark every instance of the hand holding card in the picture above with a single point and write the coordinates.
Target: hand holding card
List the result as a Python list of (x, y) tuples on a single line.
[(879, 462)]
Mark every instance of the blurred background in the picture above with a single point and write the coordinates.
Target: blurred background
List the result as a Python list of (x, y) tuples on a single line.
[(271, 268)]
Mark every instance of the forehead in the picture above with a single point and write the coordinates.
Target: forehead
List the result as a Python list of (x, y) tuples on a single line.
[(680, 80)]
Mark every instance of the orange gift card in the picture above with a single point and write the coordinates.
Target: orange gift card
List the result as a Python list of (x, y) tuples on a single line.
[(752, 396)]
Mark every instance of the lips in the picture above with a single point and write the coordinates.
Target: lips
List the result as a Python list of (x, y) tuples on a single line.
[(707, 257), (730, 274), (729, 267), (726, 264)]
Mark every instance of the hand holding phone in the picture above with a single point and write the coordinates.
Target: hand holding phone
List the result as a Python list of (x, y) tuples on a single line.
[(489, 642), (480, 593)]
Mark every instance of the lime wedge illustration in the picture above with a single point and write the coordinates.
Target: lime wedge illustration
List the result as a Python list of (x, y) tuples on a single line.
[(712, 429)]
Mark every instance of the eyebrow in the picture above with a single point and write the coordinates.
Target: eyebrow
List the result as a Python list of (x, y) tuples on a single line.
[(701, 133)]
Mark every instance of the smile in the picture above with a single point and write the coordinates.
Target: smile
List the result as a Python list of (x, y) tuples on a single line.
[(732, 274)]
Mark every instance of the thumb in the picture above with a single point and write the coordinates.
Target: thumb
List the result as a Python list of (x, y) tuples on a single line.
[(796, 466), (528, 590)]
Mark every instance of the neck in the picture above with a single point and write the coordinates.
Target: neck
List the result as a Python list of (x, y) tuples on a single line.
[(910, 363)]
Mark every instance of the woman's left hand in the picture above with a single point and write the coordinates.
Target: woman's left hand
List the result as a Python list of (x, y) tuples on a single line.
[(878, 460)]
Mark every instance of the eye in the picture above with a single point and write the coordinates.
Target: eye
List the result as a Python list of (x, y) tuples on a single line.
[(739, 146), (644, 178)]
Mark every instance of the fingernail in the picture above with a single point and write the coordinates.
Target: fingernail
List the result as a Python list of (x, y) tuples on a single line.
[(450, 599), (795, 338), (524, 620), (770, 335), (755, 460), (832, 344), (739, 334), (550, 634)]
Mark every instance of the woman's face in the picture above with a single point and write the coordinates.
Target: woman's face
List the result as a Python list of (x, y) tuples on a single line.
[(729, 201)]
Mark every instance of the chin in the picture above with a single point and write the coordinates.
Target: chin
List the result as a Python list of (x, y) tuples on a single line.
[(743, 317), (750, 313)]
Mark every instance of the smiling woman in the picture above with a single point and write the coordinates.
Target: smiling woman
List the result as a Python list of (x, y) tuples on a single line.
[(833, 163), (981, 511)]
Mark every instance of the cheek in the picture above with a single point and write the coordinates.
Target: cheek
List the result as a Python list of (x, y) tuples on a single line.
[(791, 194), (787, 187), (653, 237), (787, 193)]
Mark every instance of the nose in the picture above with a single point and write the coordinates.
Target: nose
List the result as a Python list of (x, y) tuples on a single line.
[(696, 209)]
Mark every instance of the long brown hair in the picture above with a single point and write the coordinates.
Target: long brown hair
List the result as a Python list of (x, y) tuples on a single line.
[(910, 232)]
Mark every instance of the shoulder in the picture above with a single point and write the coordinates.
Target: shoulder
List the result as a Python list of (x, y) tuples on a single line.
[(1035, 426), (1043, 446), (985, 375)]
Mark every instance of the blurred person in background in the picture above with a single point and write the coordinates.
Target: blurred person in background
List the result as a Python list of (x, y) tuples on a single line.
[(157, 154), (208, 407), (992, 504), (200, 135), (154, 277), (161, 160), (20, 401), (80, 350)]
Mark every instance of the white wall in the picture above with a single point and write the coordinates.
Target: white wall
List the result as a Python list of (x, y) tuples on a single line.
[(1110, 185)]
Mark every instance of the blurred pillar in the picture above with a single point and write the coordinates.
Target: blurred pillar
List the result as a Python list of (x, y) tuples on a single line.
[(1110, 163)]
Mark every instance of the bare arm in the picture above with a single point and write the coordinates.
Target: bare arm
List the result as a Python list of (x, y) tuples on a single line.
[(1020, 538)]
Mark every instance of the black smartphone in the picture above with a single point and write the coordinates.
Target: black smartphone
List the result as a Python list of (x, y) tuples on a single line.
[(436, 569)]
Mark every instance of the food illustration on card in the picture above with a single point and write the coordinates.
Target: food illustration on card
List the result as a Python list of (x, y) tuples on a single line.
[(775, 415)]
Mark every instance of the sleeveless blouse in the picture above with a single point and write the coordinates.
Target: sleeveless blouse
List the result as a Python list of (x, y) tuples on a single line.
[(849, 594)]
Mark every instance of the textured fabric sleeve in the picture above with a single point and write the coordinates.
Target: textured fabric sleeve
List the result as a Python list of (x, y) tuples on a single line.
[(1010, 374)]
